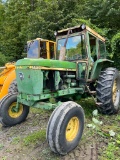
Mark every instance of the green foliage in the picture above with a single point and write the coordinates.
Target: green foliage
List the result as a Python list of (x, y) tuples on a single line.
[(39, 111), (25, 20), (105, 15), (88, 105), (115, 43), (1, 146), (12, 36), (32, 138), (112, 151), (16, 140), (4, 158), (3, 59), (109, 151)]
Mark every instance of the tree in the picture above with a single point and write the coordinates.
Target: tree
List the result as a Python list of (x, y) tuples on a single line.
[(28, 19), (115, 43), (13, 34), (105, 15)]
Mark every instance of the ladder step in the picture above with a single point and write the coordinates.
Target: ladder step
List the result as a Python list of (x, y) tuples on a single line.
[(98, 103), (93, 92)]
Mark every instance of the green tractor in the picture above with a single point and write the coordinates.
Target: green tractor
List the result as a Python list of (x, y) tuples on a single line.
[(79, 66)]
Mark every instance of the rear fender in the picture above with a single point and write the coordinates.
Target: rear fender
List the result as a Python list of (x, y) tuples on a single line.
[(98, 66)]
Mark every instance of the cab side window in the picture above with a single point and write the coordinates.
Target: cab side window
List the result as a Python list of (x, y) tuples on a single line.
[(52, 56), (43, 52), (92, 42), (102, 49)]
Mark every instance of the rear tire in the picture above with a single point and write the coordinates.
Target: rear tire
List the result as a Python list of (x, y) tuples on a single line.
[(13, 87), (108, 91), (9, 116), (65, 127)]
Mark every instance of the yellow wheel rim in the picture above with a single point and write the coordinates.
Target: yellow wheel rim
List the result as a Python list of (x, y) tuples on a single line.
[(13, 112), (114, 91), (72, 129)]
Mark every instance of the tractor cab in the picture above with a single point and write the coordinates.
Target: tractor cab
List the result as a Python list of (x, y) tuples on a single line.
[(41, 48), (83, 46)]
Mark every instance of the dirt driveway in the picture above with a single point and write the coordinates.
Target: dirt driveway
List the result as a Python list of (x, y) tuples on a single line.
[(27, 141)]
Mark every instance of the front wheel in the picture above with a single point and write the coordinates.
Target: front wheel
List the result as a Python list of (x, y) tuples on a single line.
[(11, 115), (65, 127)]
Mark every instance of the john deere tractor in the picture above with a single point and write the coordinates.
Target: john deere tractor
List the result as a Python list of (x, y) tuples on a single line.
[(79, 66)]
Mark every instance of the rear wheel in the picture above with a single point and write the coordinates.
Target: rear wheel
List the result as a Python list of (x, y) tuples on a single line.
[(11, 115), (108, 91), (65, 127), (13, 87)]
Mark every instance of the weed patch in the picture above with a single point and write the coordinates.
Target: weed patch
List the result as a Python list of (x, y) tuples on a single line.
[(16, 140), (34, 137), (88, 105), (39, 111), (1, 146)]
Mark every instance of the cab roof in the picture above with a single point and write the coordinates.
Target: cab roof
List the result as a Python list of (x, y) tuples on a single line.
[(79, 29)]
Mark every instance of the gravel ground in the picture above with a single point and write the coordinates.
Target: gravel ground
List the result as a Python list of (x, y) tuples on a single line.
[(15, 146)]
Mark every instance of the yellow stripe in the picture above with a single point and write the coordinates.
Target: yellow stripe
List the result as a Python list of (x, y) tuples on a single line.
[(46, 68)]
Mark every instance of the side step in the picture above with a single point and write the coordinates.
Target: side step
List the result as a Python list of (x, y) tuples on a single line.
[(91, 92), (98, 103)]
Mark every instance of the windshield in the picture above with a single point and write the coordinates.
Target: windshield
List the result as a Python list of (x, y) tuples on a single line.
[(75, 47)]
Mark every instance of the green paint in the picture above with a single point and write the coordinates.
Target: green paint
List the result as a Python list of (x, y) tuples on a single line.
[(43, 105), (98, 65), (36, 100), (46, 63), (30, 81)]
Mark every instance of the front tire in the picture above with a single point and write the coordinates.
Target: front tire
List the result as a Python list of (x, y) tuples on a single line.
[(9, 115), (108, 91), (65, 127)]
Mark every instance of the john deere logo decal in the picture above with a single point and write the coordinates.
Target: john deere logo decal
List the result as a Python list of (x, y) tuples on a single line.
[(21, 75)]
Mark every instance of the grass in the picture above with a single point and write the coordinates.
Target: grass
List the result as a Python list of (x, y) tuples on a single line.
[(39, 111), (48, 155), (112, 151), (4, 158), (32, 138), (88, 105), (1, 146), (16, 140)]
